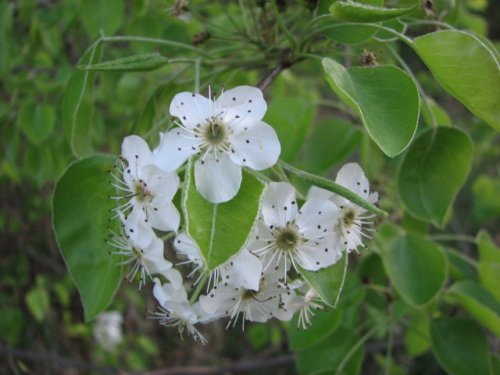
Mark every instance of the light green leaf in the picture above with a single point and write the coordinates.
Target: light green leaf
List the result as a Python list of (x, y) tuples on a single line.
[(328, 282), (221, 229), (385, 98), (136, 63), (479, 303), (394, 24), (98, 15), (460, 346), (291, 117), (434, 111), (357, 12), (331, 141), (38, 302), (417, 337), (77, 109), (486, 205), (81, 221), (323, 324), (434, 168), (466, 68), (37, 121), (417, 268), (489, 263)]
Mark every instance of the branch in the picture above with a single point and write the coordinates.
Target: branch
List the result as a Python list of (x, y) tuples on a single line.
[(271, 75)]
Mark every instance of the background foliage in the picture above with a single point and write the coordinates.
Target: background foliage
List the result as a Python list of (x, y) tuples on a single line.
[(424, 298)]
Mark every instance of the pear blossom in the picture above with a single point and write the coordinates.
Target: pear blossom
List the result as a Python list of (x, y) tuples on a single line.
[(145, 187), (300, 238), (227, 133), (141, 249), (108, 329), (304, 304), (353, 219), (175, 311)]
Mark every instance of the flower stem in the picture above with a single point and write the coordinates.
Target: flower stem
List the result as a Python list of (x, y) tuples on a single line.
[(199, 287), (333, 187), (168, 236)]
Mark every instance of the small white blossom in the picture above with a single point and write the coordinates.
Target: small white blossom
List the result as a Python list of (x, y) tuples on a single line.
[(146, 189), (352, 224), (108, 329), (295, 237), (227, 133)]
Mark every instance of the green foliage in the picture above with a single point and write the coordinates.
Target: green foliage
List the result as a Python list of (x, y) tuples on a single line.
[(81, 223), (136, 63), (359, 12)]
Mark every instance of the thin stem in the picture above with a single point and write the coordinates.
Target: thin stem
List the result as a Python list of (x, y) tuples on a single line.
[(197, 76), (332, 186), (245, 17), (353, 350), (283, 27), (260, 176), (141, 39), (168, 236), (199, 287), (388, 357), (278, 169)]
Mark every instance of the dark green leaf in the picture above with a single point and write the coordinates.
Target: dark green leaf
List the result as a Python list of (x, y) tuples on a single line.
[(385, 98), (105, 16), (489, 263), (81, 220), (466, 68), (433, 170), (142, 62)]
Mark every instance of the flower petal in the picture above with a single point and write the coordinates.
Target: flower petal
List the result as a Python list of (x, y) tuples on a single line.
[(319, 193), (153, 256), (317, 218), (136, 151), (254, 144), (163, 215), (352, 177), (315, 255), (248, 101), (188, 247), (244, 269), (279, 205), (175, 147), (220, 299), (159, 182), (217, 180), (191, 109)]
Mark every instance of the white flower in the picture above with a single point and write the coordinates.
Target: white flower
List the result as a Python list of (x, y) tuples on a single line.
[(175, 310), (228, 133), (108, 329), (141, 249), (242, 269), (145, 187), (351, 226), (288, 235), (305, 304)]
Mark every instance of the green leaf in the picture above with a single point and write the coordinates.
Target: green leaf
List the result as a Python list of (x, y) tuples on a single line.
[(81, 220), (489, 263), (417, 337), (323, 324), (486, 191), (434, 168), (466, 68), (38, 302), (291, 117), (385, 98), (434, 111), (460, 346), (222, 229), (479, 303), (105, 16), (407, 259), (328, 282), (357, 12), (331, 141), (326, 356), (37, 121), (136, 63), (77, 109)]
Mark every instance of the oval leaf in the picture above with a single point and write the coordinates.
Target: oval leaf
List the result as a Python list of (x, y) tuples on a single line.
[(356, 12), (434, 168), (37, 121), (385, 98), (466, 68), (328, 282), (460, 346), (222, 229), (479, 303), (406, 259), (101, 16), (136, 63), (81, 221), (489, 263)]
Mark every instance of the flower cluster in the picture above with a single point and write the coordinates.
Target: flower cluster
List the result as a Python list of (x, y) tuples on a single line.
[(263, 279)]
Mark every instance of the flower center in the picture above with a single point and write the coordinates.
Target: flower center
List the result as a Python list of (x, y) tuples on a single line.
[(287, 238), (141, 192), (215, 133), (349, 217), (248, 294)]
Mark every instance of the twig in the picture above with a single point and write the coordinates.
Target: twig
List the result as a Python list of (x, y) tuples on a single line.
[(269, 78)]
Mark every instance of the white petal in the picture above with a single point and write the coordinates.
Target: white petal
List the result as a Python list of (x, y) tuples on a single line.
[(255, 144), (220, 299), (315, 255), (279, 205), (159, 182), (175, 147), (163, 215), (317, 218), (191, 109), (246, 100), (136, 151), (138, 231), (319, 193), (175, 278), (244, 269), (168, 293), (217, 180), (153, 255), (352, 177)]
